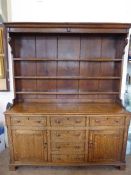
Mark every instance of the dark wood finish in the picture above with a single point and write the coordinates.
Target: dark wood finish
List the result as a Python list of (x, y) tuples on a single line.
[(67, 79), (61, 72)]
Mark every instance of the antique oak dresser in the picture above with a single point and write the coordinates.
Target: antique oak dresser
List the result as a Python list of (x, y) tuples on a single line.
[(67, 84)]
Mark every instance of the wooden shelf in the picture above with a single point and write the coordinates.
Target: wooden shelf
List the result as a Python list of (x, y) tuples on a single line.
[(67, 77), (65, 93), (64, 59)]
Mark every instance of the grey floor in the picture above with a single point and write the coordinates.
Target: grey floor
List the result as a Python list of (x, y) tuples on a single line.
[(103, 170)]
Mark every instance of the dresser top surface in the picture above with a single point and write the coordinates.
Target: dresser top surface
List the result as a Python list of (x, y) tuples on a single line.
[(66, 108)]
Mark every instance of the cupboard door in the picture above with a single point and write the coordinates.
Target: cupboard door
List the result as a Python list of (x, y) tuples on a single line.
[(105, 145), (29, 145)]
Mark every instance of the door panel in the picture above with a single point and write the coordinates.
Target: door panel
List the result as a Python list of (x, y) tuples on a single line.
[(29, 145), (105, 146)]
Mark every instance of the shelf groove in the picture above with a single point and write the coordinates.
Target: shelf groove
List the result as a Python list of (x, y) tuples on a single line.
[(64, 59), (67, 77), (66, 93)]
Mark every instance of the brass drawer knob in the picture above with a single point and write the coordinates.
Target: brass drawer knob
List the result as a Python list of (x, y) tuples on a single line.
[(77, 135), (97, 121), (38, 121), (58, 135), (90, 144), (58, 158), (58, 121), (77, 158), (58, 147), (78, 121), (45, 145)]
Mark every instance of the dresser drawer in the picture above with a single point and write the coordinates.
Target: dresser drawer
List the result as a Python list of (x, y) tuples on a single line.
[(60, 148), (68, 158), (29, 121), (67, 136), (106, 121), (68, 121)]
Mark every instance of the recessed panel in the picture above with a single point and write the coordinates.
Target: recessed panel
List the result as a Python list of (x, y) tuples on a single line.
[(68, 47), (46, 46), (24, 46), (25, 85), (25, 68), (46, 68), (90, 47)]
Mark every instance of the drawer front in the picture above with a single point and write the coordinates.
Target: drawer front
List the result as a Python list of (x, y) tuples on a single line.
[(67, 136), (29, 121), (67, 158), (60, 148), (68, 121), (106, 121)]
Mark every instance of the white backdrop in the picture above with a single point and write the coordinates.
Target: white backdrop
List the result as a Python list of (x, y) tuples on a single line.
[(71, 10)]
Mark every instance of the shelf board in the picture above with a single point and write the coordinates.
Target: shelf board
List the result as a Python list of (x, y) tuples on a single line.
[(67, 77), (64, 59), (66, 93)]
